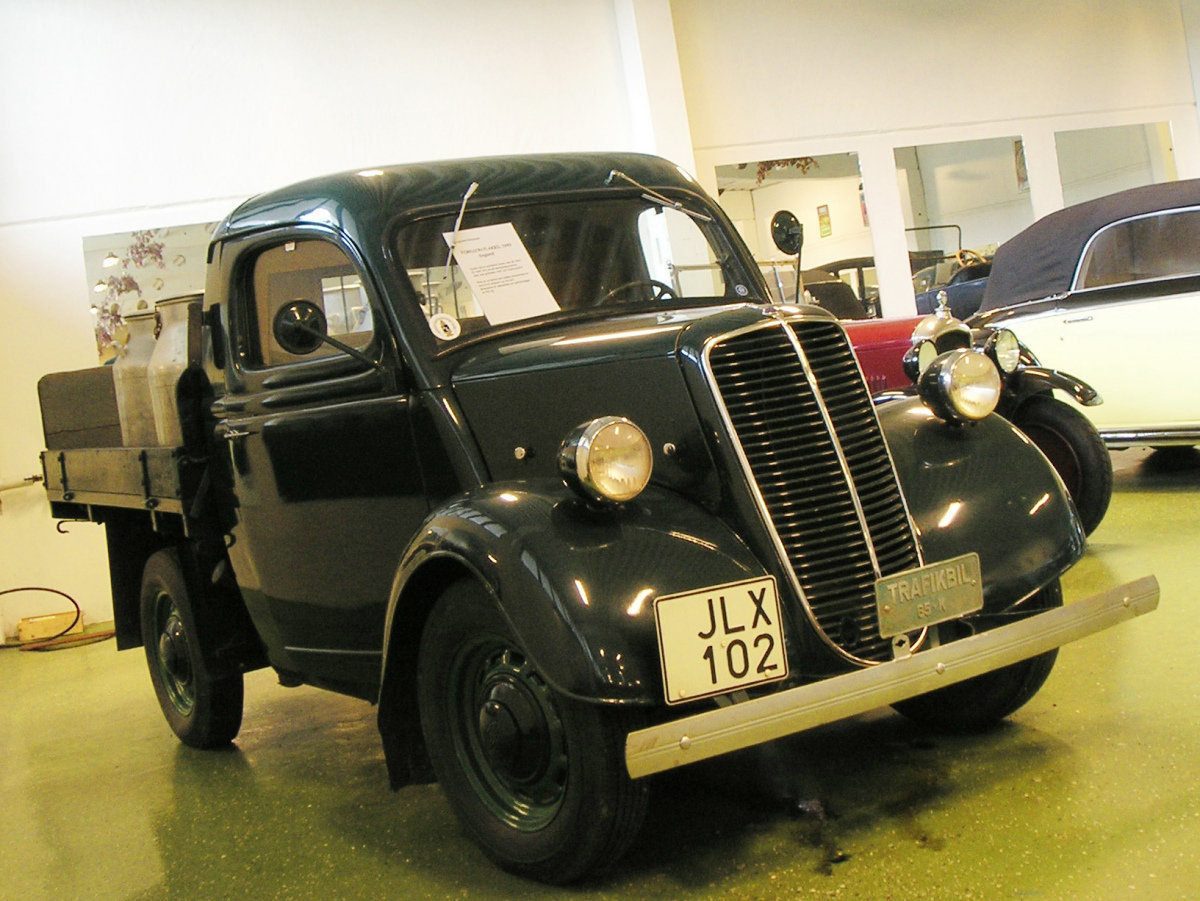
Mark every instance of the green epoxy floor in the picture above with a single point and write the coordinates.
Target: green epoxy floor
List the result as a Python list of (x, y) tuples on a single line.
[(1092, 791)]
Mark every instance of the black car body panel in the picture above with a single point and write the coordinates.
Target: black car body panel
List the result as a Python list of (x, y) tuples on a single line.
[(540, 548)]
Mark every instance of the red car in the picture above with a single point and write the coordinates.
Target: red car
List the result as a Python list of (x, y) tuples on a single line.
[(881, 345)]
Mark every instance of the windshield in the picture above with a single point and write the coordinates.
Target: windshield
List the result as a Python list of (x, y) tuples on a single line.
[(520, 262)]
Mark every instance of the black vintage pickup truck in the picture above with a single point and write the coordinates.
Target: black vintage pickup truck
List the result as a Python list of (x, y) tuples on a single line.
[(519, 450)]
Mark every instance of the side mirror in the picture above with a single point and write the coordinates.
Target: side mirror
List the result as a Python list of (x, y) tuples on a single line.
[(300, 327), (787, 232)]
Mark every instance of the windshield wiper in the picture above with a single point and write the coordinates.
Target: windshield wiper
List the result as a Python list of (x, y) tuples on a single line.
[(471, 189), (654, 197), (434, 305)]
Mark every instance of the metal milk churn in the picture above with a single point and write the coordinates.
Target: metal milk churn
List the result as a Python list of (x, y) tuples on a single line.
[(178, 347), (131, 378)]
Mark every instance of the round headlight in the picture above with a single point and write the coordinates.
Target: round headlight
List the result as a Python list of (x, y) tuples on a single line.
[(1004, 349), (606, 459), (917, 358), (960, 386)]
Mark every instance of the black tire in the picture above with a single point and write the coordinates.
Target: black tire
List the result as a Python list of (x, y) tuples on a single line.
[(536, 779), (979, 703), (1075, 450), (204, 712)]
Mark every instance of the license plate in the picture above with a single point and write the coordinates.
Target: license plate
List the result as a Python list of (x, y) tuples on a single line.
[(910, 601), (717, 639)]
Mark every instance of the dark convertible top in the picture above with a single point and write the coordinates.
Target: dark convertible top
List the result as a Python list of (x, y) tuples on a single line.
[(1041, 260)]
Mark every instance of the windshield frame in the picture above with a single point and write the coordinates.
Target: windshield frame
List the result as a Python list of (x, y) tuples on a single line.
[(743, 284)]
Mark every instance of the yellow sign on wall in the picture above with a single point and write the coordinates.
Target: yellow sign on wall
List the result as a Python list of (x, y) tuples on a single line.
[(823, 219)]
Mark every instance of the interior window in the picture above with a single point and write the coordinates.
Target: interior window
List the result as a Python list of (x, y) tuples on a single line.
[(317, 272), (1161, 245)]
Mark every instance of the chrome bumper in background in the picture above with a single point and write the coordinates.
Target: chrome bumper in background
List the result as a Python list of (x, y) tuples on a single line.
[(749, 723)]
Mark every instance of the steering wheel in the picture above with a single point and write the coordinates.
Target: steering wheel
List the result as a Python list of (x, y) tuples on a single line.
[(658, 290), (968, 257)]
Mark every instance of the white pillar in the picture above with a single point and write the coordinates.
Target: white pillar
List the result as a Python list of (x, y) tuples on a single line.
[(1041, 165), (653, 82), (877, 164)]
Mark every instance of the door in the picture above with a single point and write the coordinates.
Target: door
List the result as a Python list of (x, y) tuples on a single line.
[(325, 474), (1136, 351)]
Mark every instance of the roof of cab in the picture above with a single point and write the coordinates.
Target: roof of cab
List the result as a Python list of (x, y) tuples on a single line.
[(365, 200)]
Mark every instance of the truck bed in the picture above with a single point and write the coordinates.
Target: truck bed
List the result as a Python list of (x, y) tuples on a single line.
[(144, 478), (84, 463)]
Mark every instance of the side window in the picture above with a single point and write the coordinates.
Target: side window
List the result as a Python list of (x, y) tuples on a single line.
[(317, 272), (1148, 247)]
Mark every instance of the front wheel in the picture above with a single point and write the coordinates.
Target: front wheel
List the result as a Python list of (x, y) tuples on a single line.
[(538, 780), (204, 712), (1075, 450), (980, 702)]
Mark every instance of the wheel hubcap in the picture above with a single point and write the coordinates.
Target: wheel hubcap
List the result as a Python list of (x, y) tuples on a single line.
[(510, 738), (174, 659), (513, 731)]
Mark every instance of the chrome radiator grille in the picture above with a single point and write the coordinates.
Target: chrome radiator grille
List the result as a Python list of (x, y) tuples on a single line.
[(814, 451)]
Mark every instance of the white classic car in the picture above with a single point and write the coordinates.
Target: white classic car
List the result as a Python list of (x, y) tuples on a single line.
[(1110, 290)]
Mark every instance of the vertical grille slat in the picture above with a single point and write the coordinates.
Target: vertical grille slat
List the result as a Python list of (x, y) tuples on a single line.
[(799, 437)]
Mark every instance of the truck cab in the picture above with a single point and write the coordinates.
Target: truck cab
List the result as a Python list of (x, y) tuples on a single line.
[(520, 450)]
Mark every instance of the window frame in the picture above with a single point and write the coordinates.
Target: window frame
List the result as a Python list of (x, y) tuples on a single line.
[(714, 236), (1086, 253)]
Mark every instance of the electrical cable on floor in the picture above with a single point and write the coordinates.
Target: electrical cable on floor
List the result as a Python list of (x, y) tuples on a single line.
[(62, 639)]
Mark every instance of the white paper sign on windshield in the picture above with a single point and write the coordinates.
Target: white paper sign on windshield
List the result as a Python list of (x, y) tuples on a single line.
[(506, 283)]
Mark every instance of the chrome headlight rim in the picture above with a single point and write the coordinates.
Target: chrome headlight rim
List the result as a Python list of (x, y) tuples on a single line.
[(1003, 348), (961, 386), (584, 467)]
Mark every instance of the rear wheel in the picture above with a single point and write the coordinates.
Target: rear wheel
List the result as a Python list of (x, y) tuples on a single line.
[(979, 703), (1075, 450), (203, 712), (537, 779)]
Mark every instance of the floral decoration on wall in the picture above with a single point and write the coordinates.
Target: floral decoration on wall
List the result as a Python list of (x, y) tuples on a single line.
[(804, 163), (131, 271)]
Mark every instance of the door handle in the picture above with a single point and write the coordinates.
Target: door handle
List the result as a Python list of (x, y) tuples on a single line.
[(231, 433)]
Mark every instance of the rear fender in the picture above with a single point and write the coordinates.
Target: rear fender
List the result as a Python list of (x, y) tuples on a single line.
[(983, 487), (228, 641)]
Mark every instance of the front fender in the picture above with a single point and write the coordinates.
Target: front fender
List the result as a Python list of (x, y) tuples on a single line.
[(983, 487), (1031, 380), (576, 584)]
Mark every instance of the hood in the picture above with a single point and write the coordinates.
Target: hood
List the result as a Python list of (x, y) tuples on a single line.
[(523, 394)]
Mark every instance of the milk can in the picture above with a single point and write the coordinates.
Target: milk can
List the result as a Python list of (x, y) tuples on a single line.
[(130, 376), (177, 348)]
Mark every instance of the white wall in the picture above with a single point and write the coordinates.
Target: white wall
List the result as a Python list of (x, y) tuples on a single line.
[(1098, 161), (975, 187), (769, 79), (848, 236), (119, 115)]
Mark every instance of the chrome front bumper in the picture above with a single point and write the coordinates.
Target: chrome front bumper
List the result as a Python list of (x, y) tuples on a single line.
[(738, 726)]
